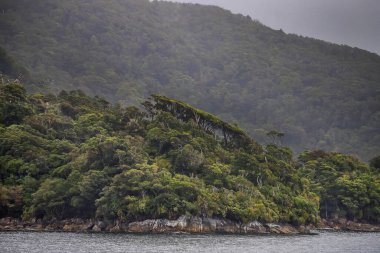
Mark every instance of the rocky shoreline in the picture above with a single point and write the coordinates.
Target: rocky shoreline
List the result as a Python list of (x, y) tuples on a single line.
[(347, 225), (184, 224)]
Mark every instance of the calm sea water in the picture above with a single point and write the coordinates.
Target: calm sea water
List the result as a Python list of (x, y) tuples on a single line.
[(76, 242)]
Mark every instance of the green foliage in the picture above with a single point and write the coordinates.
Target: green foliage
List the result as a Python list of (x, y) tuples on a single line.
[(11, 200), (375, 162), (149, 191), (347, 187), (91, 159), (319, 94), (51, 199), (13, 103)]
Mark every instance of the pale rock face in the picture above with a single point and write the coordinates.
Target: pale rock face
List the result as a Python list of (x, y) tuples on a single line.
[(96, 228), (193, 225), (184, 224), (89, 225), (102, 225), (254, 227), (116, 229)]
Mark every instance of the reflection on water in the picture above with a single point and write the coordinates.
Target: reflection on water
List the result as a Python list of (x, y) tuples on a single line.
[(76, 242)]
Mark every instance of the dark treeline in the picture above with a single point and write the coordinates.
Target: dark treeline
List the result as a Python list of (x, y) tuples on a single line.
[(72, 155), (321, 95)]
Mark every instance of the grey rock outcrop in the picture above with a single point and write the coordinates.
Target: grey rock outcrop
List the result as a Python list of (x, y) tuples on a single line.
[(184, 224)]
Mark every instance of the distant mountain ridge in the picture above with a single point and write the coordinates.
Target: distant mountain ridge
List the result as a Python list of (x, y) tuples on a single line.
[(319, 94)]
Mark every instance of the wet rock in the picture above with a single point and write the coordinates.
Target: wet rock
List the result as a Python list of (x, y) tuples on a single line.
[(288, 229), (109, 227), (102, 225), (182, 222), (354, 226), (57, 225), (7, 221), (37, 227), (272, 228), (194, 225), (343, 224), (227, 226), (96, 228), (141, 227), (165, 226), (116, 229), (72, 227), (331, 224), (51, 227), (281, 229), (68, 227), (124, 226), (209, 225), (304, 229), (254, 227), (89, 225)]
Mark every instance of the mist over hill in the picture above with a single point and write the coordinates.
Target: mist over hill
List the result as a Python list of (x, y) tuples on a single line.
[(319, 94)]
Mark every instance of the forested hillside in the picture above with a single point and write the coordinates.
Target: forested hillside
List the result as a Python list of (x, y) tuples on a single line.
[(75, 156), (319, 94)]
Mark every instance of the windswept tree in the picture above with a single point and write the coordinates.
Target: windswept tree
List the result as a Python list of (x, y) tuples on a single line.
[(275, 136), (231, 134)]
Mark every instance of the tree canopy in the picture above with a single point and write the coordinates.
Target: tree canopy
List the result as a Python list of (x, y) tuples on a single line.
[(72, 155)]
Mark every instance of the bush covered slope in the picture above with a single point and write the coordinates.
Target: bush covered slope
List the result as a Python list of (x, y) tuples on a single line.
[(320, 94), (73, 155)]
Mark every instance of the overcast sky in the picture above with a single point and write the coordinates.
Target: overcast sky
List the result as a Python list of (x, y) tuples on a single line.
[(351, 22)]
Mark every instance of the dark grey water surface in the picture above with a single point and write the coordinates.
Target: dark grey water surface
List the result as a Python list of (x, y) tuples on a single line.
[(78, 242)]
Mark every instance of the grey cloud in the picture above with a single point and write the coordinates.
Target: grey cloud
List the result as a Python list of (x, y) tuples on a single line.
[(351, 22)]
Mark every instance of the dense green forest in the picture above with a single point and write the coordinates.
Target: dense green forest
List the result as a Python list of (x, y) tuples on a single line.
[(321, 95), (72, 155)]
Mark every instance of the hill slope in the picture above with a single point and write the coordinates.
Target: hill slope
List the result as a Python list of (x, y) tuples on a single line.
[(320, 94), (71, 155)]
